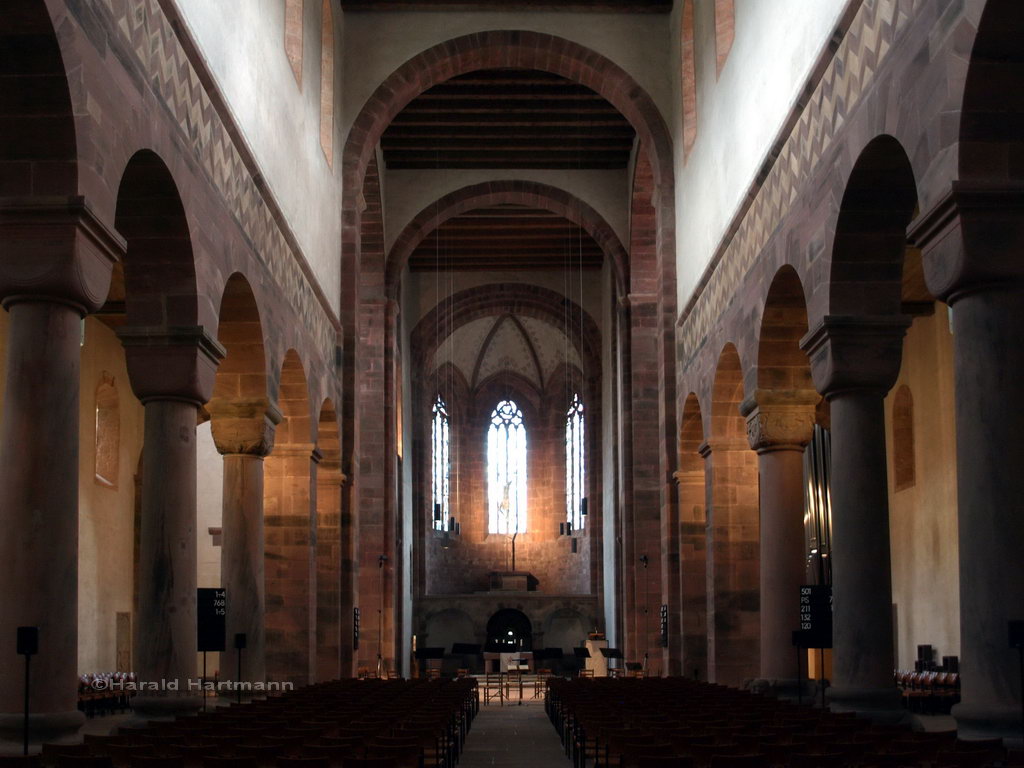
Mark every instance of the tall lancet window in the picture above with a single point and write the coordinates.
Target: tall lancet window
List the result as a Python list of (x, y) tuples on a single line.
[(575, 464), (506, 470), (441, 467)]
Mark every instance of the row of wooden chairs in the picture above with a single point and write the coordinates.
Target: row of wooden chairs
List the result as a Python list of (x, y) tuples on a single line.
[(682, 723), (105, 693), (929, 693), (342, 724)]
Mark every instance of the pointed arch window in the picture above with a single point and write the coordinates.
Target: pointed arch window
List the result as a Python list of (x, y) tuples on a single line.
[(441, 465), (506, 470), (575, 464)]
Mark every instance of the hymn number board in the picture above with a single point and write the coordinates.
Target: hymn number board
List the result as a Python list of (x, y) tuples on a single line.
[(816, 615), (211, 619)]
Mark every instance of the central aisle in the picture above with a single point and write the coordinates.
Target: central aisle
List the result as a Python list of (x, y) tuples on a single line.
[(513, 736)]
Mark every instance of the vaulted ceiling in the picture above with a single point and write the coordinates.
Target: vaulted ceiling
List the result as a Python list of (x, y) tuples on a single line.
[(507, 237), (508, 119), (532, 348)]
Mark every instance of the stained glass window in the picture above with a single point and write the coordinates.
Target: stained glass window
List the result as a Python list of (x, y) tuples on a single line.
[(575, 464), (441, 468), (506, 470)]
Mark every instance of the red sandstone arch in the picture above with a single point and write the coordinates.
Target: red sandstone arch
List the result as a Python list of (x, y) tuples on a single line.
[(511, 49), (243, 371), (727, 424), (992, 116), (878, 203), (287, 505), (519, 192), (781, 364), (38, 146), (690, 478), (733, 533), (643, 230), (159, 274)]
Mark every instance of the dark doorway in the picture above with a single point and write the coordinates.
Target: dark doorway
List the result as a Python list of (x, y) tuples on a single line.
[(509, 631)]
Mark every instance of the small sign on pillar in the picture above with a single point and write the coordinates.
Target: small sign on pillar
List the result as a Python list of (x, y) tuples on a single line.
[(211, 619), (816, 615)]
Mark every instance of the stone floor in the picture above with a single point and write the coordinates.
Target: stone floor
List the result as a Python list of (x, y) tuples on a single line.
[(520, 736)]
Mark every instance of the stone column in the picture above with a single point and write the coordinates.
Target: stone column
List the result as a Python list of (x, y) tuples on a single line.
[(972, 242), (243, 431), (854, 362), (779, 426), (328, 570), (290, 574), (732, 562), (55, 266), (692, 574), (172, 373)]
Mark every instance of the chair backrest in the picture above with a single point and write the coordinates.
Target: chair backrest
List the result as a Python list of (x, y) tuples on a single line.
[(368, 762), (148, 761), (228, 762), (83, 761), (303, 762)]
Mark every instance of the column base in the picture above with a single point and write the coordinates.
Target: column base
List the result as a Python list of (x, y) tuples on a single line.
[(974, 723), (881, 705), (49, 728)]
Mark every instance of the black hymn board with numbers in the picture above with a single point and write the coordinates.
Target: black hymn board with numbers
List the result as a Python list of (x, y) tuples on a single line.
[(211, 619), (816, 615)]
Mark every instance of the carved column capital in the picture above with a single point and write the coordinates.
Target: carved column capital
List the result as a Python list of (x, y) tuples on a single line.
[(780, 420), (171, 363), (243, 425), (56, 249), (851, 353), (685, 477), (970, 239)]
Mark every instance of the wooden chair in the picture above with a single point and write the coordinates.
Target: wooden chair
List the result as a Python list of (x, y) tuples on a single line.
[(494, 688), (83, 761), (162, 761), (20, 761), (303, 762), (368, 762)]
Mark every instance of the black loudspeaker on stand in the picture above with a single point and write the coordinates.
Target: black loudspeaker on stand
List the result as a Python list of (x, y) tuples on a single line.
[(28, 646)]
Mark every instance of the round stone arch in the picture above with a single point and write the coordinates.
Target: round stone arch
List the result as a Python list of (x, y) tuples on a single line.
[(505, 192), (513, 49)]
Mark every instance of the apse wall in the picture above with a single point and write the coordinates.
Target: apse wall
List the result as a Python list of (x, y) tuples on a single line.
[(739, 112), (280, 117)]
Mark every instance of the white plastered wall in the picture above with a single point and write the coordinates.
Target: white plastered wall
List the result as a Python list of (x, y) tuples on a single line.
[(243, 44), (739, 113), (411, 191)]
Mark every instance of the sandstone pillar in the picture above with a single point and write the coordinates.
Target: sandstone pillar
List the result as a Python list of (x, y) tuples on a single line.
[(244, 433), (692, 573), (854, 362), (171, 372), (972, 242), (732, 562), (328, 571), (55, 266), (779, 426)]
